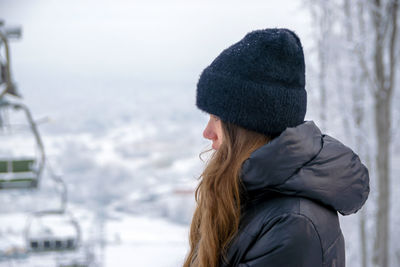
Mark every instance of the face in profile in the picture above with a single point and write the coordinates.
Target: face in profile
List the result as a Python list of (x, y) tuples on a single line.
[(213, 132)]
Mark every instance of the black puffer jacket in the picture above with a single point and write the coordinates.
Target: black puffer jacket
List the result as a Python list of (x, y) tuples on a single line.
[(296, 185)]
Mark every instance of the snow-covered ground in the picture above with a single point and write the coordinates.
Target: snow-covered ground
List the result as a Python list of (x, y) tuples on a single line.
[(130, 240), (146, 241)]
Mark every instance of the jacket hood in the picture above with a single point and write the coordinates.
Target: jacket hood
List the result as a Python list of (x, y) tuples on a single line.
[(304, 162)]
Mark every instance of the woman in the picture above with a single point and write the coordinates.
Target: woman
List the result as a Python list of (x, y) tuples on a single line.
[(270, 193)]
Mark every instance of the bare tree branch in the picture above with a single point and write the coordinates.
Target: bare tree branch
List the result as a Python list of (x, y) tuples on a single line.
[(360, 50), (371, 78)]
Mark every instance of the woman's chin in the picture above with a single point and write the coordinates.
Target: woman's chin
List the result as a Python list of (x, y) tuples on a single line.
[(215, 146)]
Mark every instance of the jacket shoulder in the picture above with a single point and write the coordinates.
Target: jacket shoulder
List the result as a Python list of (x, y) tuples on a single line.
[(263, 214), (285, 240)]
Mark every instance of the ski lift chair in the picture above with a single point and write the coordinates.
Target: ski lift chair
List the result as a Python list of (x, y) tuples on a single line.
[(53, 230), (20, 172), (49, 231)]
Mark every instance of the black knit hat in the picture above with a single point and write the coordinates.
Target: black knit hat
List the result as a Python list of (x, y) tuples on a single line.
[(257, 83)]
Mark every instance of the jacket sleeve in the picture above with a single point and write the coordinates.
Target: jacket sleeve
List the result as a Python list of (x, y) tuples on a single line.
[(287, 240)]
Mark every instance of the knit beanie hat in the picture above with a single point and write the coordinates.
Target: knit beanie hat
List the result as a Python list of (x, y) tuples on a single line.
[(257, 83)]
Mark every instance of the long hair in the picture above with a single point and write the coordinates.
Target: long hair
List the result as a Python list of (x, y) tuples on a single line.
[(218, 195)]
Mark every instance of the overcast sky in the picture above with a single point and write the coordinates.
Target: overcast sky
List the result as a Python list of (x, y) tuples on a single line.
[(100, 49)]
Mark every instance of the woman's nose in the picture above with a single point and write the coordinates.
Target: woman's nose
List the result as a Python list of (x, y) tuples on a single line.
[(209, 133)]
